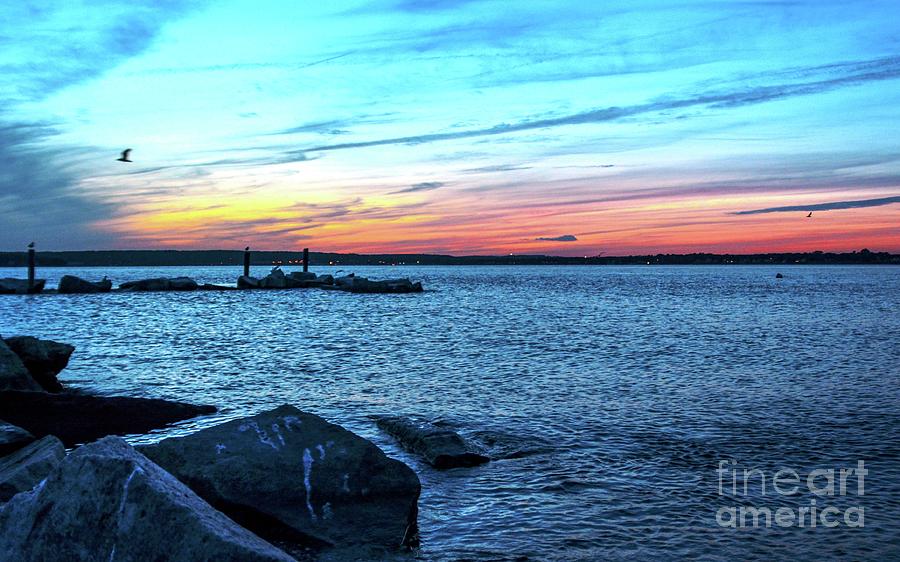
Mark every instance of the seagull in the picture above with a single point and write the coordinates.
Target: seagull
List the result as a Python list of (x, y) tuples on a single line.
[(247, 249), (31, 245), (125, 154), (809, 215)]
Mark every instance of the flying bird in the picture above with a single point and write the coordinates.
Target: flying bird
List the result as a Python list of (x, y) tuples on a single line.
[(124, 157), (809, 215)]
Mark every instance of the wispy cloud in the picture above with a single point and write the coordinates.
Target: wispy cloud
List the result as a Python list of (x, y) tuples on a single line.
[(848, 74), (424, 186), (832, 206), (563, 238)]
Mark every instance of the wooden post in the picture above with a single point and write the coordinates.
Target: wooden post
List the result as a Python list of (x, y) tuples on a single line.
[(247, 261), (305, 260), (31, 267)]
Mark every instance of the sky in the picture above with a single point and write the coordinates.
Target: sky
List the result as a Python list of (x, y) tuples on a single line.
[(451, 126)]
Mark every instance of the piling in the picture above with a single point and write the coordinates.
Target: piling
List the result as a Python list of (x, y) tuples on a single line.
[(247, 261), (305, 260), (31, 261)]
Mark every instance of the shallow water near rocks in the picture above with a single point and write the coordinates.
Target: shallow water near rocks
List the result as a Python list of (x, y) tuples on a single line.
[(609, 394)]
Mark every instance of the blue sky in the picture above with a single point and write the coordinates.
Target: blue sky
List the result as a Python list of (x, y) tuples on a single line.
[(457, 126)]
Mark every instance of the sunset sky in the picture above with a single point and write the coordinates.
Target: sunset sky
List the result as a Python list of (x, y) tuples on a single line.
[(451, 126)]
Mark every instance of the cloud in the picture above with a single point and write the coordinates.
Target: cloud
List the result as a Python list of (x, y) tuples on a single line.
[(835, 205), (848, 74), (563, 238), (497, 168), (424, 186)]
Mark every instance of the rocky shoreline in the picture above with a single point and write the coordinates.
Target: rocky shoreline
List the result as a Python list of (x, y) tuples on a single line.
[(280, 485), (276, 279)]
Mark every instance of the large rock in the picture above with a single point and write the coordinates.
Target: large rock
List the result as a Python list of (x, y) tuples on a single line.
[(78, 418), (364, 285), (69, 284), (156, 284), (440, 447), (291, 476), (13, 373), (12, 438), (302, 275), (44, 359), (20, 471), (10, 286), (247, 282), (106, 501), (182, 284)]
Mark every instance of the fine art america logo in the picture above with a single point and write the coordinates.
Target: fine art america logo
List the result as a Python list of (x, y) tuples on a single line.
[(825, 485)]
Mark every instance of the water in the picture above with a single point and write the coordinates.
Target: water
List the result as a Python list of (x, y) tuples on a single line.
[(613, 391)]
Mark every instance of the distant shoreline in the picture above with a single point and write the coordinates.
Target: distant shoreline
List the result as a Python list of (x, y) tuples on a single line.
[(159, 258)]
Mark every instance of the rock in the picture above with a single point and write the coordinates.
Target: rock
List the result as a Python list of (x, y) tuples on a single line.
[(291, 476), (12, 438), (363, 285), (106, 501), (10, 286), (440, 447), (325, 280), (245, 282), (276, 282), (69, 284), (78, 418), (346, 281), (157, 284), (302, 276), (44, 359), (22, 470), (13, 373), (182, 284), (779, 276)]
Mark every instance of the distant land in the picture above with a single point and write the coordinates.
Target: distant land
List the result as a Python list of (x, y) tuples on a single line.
[(132, 258)]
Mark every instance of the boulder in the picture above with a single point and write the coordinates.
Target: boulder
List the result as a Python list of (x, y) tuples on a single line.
[(10, 286), (22, 470), (69, 284), (325, 280), (346, 281), (276, 282), (12, 438), (440, 447), (779, 276), (106, 501), (246, 282), (364, 285), (44, 359), (302, 275), (79, 418), (293, 477), (182, 284), (13, 373), (157, 284), (212, 287)]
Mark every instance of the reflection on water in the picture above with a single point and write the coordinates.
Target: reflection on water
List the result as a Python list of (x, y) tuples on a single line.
[(610, 393)]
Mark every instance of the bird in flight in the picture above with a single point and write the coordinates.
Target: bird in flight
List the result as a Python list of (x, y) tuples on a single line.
[(809, 215), (124, 157)]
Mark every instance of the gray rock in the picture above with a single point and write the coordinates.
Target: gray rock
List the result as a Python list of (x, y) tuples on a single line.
[(325, 279), (13, 373), (106, 501), (289, 475), (12, 438), (69, 284), (364, 285), (22, 470), (157, 284), (10, 286), (214, 287), (44, 359), (81, 418), (302, 276), (440, 447), (182, 284), (246, 282)]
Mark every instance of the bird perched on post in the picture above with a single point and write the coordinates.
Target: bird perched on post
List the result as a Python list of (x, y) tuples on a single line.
[(124, 157), (31, 245)]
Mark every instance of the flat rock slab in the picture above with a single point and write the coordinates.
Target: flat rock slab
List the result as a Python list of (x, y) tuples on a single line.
[(108, 502), (291, 476), (12, 438), (44, 359), (78, 418), (22, 470), (69, 284), (440, 447), (11, 286)]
